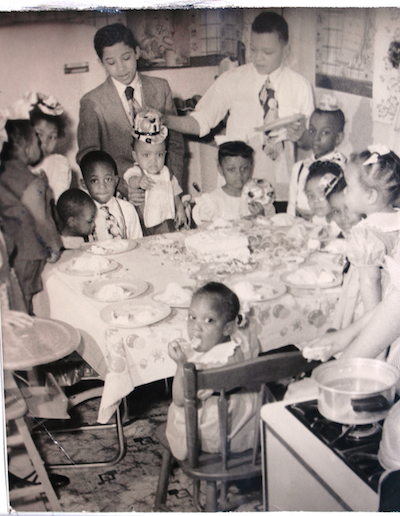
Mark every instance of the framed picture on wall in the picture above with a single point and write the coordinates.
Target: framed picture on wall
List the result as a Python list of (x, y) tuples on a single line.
[(185, 37)]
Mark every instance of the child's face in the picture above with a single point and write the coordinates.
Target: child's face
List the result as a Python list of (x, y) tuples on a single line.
[(340, 213), (150, 157), (324, 134), (316, 197), (101, 182), (84, 224), (48, 136), (32, 149), (266, 52), (120, 61), (206, 324), (355, 194), (236, 171)]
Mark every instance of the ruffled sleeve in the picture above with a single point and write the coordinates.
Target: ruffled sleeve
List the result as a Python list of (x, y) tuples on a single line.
[(365, 249)]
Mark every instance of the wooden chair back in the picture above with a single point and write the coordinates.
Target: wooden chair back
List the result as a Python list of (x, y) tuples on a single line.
[(253, 374)]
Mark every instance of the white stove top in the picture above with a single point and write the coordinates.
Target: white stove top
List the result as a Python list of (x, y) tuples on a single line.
[(305, 474)]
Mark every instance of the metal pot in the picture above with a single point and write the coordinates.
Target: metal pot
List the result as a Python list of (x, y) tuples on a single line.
[(355, 391)]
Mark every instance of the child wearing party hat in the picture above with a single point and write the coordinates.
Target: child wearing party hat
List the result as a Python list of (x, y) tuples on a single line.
[(163, 210)]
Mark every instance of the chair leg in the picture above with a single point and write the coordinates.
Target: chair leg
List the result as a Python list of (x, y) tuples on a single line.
[(211, 497), (162, 486), (196, 496), (38, 464)]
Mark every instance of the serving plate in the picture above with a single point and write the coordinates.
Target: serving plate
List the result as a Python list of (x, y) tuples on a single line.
[(66, 268), (47, 340), (132, 288), (106, 248), (285, 278), (268, 289), (281, 122), (135, 313)]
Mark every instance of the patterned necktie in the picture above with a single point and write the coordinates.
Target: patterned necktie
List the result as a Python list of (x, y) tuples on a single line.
[(268, 102), (112, 226), (133, 104)]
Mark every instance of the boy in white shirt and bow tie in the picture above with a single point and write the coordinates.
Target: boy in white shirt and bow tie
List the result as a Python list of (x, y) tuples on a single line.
[(116, 218)]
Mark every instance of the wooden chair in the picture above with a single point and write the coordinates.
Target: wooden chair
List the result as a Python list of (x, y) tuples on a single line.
[(223, 467), (18, 434)]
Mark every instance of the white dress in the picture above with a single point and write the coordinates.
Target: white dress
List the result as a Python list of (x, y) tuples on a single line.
[(58, 172), (218, 204)]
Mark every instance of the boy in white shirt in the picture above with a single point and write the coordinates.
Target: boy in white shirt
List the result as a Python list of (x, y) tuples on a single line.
[(116, 218)]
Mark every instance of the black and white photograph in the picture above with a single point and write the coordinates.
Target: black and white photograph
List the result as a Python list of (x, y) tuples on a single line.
[(200, 259)]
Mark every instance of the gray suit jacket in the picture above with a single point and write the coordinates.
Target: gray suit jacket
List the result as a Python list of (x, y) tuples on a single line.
[(104, 125)]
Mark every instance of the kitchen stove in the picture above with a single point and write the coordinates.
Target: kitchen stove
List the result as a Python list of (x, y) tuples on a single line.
[(356, 445), (313, 464)]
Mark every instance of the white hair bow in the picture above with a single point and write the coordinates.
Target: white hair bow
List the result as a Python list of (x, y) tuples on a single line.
[(4, 116), (49, 105), (376, 152)]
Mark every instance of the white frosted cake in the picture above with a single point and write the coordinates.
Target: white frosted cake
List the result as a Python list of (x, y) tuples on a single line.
[(218, 246)]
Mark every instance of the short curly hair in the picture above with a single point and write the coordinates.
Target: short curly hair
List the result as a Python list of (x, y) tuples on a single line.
[(223, 299)]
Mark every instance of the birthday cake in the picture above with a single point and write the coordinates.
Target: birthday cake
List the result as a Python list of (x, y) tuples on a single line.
[(218, 246)]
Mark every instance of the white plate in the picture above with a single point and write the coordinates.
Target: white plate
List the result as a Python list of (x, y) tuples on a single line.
[(88, 247), (281, 122), (141, 312), (66, 267), (176, 304), (268, 289), (133, 287), (338, 280)]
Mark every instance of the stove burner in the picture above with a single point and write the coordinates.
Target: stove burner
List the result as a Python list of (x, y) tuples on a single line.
[(361, 432), (356, 445)]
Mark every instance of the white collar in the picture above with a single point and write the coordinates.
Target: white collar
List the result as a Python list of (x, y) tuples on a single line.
[(273, 77), (136, 85), (109, 203)]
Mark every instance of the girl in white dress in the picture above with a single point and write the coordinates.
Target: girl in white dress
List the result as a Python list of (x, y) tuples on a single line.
[(214, 342)]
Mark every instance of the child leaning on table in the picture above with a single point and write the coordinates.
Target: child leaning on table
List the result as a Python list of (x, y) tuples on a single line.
[(163, 210), (76, 212), (116, 218), (214, 341), (326, 128), (235, 164)]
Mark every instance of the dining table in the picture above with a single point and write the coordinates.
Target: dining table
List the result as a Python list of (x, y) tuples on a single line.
[(126, 320)]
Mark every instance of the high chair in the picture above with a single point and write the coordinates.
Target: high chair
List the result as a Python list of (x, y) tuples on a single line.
[(217, 469), (18, 434)]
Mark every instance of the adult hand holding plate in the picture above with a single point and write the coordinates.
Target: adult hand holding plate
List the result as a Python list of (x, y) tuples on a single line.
[(293, 121)]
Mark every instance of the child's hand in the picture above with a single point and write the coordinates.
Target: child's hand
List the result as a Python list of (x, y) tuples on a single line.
[(176, 353), (180, 216), (296, 130), (256, 208), (146, 183)]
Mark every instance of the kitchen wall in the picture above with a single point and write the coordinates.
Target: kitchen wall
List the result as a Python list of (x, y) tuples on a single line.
[(33, 57)]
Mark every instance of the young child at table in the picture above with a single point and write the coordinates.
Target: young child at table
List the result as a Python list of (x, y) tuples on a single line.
[(116, 218), (49, 121), (235, 164), (373, 186), (349, 305), (321, 179), (25, 208), (326, 134), (214, 341), (163, 210), (76, 213)]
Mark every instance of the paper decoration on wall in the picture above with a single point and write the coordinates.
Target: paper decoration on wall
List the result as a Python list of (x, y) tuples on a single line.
[(386, 105), (344, 50)]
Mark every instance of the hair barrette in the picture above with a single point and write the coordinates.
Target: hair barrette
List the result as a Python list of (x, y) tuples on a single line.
[(49, 105), (329, 184), (376, 152)]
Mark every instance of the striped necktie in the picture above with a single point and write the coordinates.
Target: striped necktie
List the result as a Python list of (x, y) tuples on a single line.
[(134, 106)]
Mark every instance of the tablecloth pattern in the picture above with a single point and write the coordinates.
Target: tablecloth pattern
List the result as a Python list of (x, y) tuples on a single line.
[(138, 356)]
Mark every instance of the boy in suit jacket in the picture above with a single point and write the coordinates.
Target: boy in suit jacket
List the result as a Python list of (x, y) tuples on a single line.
[(106, 117)]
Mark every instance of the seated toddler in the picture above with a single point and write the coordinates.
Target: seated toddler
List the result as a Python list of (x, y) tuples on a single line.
[(76, 212), (163, 210), (232, 201)]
